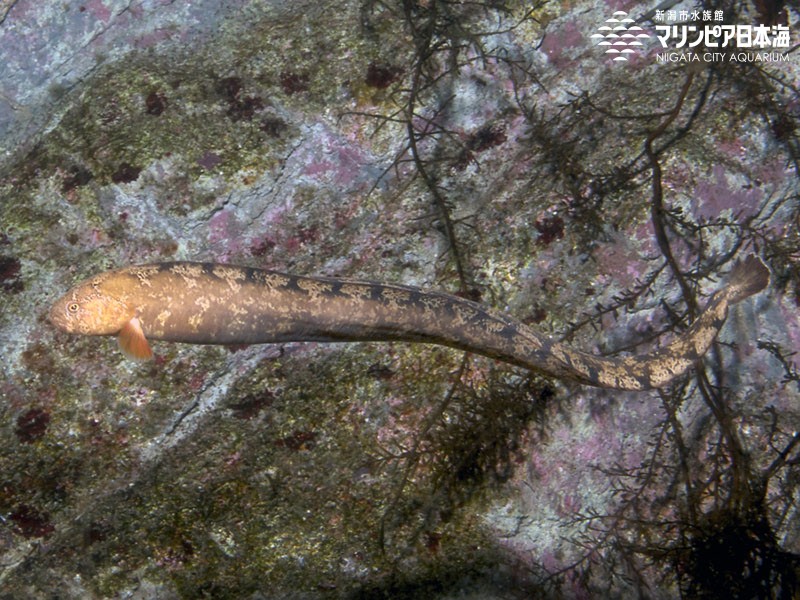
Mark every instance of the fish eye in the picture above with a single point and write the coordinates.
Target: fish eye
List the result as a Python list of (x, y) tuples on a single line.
[(73, 307)]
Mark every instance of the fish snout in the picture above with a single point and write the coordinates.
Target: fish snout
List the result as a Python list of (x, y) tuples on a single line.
[(57, 315)]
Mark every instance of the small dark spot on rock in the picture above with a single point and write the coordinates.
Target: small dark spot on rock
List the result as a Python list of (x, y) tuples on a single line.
[(155, 103), (31, 523), (239, 108), (536, 315), (32, 425), (262, 247), (73, 238), (97, 531), (783, 127), (299, 440), (209, 160), (10, 280), (37, 358), (250, 406), (484, 138), (382, 76), (125, 173), (273, 126), (473, 294), (292, 83), (245, 109), (78, 176), (308, 234), (772, 12), (169, 247), (230, 88), (433, 541), (464, 158), (550, 228), (380, 371), (797, 293)]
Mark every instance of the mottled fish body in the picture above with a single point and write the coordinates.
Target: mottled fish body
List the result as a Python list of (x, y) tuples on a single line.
[(204, 303)]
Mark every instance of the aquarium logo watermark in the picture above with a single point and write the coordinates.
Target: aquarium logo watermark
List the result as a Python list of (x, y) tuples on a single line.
[(621, 36), (700, 36), (693, 35)]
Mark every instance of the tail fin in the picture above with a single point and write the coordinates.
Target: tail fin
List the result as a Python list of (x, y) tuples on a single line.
[(748, 277)]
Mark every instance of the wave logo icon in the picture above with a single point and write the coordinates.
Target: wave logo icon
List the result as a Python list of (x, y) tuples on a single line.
[(621, 34)]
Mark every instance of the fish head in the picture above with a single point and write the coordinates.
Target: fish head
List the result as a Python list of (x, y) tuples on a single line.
[(91, 308)]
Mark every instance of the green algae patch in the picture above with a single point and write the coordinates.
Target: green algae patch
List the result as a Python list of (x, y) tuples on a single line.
[(310, 475), (224, 111), (113, 134)]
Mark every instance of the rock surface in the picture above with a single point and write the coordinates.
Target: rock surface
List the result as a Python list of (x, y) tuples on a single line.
[(494, 153)]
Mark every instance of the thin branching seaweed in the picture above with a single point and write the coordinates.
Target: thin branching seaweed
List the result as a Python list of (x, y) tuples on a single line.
[(709, 506)]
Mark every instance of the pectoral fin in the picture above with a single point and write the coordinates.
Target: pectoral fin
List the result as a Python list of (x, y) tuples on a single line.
[(132, 341)]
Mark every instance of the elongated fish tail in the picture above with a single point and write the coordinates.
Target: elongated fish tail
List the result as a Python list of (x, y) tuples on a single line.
[(748, 276), (659, 368)]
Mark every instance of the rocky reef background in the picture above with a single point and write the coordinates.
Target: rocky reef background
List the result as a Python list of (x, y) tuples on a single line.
[(488, 149)]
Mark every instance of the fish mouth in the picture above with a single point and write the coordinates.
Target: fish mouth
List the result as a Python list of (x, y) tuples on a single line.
[(56, 315)]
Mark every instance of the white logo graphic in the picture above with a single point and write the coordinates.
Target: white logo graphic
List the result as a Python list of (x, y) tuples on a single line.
[(620, 35)]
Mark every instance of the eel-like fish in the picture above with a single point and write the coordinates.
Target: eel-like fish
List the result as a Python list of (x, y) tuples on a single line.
[(202, 303)]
